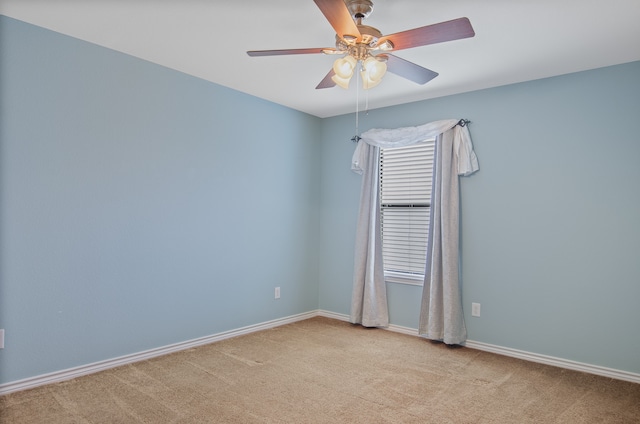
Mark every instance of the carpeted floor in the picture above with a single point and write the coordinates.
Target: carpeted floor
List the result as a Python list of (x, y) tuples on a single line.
[(327, 371)]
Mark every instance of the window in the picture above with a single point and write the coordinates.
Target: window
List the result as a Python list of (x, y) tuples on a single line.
[(405, 200)]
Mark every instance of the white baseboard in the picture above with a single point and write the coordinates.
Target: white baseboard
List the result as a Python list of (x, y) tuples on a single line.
[(392, 327), (556, 362), (334, 315), (71, 373), (515, 353)]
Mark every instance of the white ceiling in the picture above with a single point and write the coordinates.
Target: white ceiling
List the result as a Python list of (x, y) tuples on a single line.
[(516, 40)]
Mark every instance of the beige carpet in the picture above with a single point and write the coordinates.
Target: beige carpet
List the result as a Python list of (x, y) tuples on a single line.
[(327, 371)]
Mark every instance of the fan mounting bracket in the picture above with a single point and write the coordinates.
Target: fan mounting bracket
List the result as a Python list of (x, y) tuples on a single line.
[(359, 9)]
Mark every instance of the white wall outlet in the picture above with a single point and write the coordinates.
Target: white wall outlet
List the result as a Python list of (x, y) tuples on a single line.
[(1, 339), (475, 309), (277, 293)]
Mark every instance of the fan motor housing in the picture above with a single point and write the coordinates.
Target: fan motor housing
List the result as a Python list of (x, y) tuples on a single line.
[(359, 49), (370, 35)]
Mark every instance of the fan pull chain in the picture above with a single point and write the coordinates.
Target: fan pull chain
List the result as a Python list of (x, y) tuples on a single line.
[(366, 103), (357, 102), (356, 137)]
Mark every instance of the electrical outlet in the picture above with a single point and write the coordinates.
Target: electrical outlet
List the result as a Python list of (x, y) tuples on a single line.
[(277, 293), (475, 309), (1, 339)]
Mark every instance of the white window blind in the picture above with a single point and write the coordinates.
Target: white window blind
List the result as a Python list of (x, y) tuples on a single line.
[(405, 199)]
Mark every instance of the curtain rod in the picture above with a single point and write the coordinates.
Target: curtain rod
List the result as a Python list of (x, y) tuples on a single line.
[(463, 123)]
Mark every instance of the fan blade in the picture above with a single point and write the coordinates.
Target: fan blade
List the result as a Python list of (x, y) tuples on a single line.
[(327, 82), (409, 70), (431, 34), (254, 53), (339, 17)]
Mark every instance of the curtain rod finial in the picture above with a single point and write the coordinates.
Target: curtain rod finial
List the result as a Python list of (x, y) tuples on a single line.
[(463, 122), (355, 138)]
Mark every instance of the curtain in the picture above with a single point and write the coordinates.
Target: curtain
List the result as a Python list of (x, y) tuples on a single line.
[(369, 297), (441, 310)]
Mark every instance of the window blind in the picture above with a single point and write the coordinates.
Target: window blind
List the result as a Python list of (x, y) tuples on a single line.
[(405, 198)]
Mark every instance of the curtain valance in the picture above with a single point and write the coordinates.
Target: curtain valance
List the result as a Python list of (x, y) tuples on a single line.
[(406, 136)]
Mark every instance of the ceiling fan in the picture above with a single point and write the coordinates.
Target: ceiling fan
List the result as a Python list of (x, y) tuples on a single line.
[(367, 46)]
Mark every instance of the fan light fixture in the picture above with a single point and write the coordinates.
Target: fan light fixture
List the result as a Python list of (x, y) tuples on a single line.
[(366, 48), (373, 70)]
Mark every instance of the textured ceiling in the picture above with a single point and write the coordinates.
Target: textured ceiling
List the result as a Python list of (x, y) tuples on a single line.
[(516, 40)]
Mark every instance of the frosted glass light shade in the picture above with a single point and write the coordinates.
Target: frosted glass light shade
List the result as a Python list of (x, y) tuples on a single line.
[(344, 66), (375, 68), (342, 82), (367, 82), (373, 72)]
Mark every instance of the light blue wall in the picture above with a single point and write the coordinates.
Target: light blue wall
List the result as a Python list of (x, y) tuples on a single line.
[(550, 223), (142, 207)]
